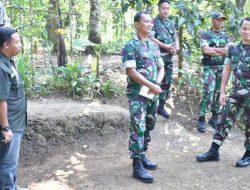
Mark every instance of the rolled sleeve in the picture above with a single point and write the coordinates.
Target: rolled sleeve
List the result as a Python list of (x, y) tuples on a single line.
[(204, 40), (227, 61), (128, 56), (160, 62), (129, 64), (204, 43)]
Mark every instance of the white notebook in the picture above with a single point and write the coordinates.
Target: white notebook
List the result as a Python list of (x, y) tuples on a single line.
[(145, 92)]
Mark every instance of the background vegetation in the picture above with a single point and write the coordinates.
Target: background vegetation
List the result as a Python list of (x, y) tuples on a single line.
[(58, 34)]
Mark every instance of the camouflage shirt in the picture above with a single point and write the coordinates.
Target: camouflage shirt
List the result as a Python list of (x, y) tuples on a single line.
[(164, 31), (145, 57), (214, 39), (238, 56), (3, 16)]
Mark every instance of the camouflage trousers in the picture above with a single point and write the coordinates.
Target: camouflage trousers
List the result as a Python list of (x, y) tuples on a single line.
[(235, 104), (167, 80), (211, 89), (142, 120)]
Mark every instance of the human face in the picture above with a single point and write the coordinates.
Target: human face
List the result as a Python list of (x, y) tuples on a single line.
[(145, 24), (245, 32), (13, 46), (164, 10), (218, 23)]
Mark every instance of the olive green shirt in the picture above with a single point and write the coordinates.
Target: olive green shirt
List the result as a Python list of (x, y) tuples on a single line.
[(12, 91)]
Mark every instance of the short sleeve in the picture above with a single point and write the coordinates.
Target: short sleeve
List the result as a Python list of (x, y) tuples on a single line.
[(173, 28), (128, 56), (160, 62), (204, 40), (5, 85), (229, 55), (229, 39), (154, 26)]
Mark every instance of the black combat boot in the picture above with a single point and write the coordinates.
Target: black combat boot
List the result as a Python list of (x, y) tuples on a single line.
[(211, 155), (140, 173), (201, 126), (161, 111), (147, 163), (214, 120), (245, 160)]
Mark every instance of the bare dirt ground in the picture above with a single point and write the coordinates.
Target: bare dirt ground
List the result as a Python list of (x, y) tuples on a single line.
[(83, 145)]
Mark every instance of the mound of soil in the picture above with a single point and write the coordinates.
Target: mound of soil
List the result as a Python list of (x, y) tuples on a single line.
[(62, 122)]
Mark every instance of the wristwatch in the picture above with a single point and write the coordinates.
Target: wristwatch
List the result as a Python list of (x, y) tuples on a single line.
[(6, 128)]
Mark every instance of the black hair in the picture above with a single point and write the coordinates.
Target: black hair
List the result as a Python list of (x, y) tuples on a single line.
[(5, 34), (163, 1), (247, 19), (138, 15)]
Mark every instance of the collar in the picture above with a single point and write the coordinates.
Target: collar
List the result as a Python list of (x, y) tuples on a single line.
[(217, 32), (5, 58), (159, 18), (137, 38)]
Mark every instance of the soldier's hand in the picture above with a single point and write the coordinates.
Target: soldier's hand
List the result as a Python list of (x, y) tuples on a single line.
[(169, 47), (8, 135), (155, 89), (223, 99), (172, 51)]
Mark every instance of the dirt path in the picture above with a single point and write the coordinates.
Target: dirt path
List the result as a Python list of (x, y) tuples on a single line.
[(102, 163)]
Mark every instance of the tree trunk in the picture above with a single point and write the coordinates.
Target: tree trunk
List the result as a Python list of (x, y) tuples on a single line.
[(240, 4), (94, 24), (54, 22), (61, 55), (31, 25), (180, 53), (70, 26)]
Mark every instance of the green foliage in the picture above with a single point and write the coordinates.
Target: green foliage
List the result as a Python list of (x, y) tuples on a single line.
[(109, 88), (138, 5), (30, 17), (81, 44), (112, 47), (71, 74), (80, 82), (28, 73), (192, 81)]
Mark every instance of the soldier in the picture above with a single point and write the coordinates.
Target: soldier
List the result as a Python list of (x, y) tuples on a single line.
[(238, 61), (144, 68), (4, 21), (214, 44), (13, 106), (163, 33)]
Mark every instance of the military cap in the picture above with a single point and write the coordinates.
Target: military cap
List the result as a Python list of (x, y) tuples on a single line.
[(218, 15)]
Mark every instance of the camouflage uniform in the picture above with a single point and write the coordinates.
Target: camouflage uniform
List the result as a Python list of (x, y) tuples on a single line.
[(212, 72), (164, 31), (239, 57), (4, 20), (144, 56)]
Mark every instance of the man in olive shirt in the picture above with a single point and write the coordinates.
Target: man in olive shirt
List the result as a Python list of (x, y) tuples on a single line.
[(13, 106)]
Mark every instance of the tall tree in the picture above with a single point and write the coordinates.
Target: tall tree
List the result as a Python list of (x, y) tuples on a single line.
[(54, 22), (94, 22)]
